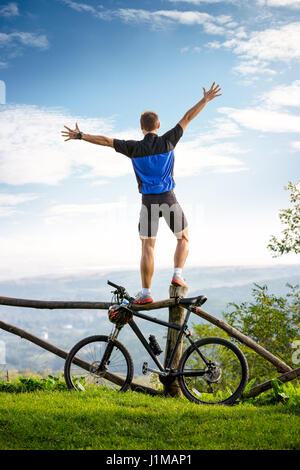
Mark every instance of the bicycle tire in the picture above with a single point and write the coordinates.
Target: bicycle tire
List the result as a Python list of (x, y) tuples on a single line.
[(242, 361), (126, 377)]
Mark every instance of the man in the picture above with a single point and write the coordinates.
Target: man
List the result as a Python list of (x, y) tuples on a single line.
[(153, 163)]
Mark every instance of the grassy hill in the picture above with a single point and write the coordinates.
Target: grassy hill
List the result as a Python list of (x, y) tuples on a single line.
[(114, 421)]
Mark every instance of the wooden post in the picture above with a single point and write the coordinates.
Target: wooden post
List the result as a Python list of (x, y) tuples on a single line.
[(176, 316)]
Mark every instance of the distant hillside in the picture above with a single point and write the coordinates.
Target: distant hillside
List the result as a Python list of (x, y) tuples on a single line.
[(65, 327)]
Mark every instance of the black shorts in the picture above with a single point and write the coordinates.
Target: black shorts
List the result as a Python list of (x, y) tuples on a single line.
[(163, 205)]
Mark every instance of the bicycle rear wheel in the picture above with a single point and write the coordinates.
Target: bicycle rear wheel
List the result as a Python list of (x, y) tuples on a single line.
[(82, 367), (221, 384)]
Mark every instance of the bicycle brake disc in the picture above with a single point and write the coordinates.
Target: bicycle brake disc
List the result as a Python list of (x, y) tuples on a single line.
[(213, 374)]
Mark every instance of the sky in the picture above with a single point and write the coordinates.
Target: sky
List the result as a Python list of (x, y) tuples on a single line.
[(69, 207)]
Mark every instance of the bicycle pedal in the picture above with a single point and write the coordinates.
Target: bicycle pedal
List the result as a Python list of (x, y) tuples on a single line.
[(145, 368)]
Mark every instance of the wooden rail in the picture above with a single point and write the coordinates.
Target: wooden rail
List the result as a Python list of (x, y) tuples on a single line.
[(61, 304), (63, 354), (278, 363), (258, 389)]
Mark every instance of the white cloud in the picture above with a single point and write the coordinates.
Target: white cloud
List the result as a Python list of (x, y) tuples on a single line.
[(196, 49), (260, 48), (18, 40), (220, 129), (283, 95), (230, 170), (99, 182), (268, 115), (280, 3), (7, 199), (162, 17), (35, 152), (264, 120), (11, 9), (159, 18), (74, 210), (295, 145), (8, 202), (25, 39), (202, 156), (250, 67), (214, 45), (270, 44), (6, 211), (211, 28), (77, 6), (198, 2), (69, 214), (255, 49)]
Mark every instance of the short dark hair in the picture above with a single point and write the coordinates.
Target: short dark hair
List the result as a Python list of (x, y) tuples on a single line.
[(149, 120)]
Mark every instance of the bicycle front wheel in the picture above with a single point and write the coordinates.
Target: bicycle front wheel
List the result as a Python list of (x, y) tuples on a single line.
[(221, 382), (85, 367)]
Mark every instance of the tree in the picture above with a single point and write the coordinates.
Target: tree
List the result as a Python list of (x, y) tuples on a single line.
[(273, 322), (290, 241)]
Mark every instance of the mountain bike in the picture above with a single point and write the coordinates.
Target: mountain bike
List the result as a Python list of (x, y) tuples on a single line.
[(210, 371)]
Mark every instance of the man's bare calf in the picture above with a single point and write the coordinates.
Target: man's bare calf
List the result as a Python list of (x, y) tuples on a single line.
[(147, 259), (182, 249)]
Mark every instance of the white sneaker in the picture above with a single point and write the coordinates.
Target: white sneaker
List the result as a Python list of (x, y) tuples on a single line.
[(178, 280), (142, 298)]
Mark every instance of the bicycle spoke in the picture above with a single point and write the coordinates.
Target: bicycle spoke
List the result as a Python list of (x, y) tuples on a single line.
[(89, 356), (222, 377)]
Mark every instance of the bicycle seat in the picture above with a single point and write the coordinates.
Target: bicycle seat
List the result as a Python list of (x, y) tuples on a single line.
[(193, 300)]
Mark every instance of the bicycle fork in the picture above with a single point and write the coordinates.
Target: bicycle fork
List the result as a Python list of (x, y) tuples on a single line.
[(109, 348)]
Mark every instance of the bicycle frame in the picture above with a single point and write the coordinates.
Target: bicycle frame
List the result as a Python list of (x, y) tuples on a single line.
[(182, 331)]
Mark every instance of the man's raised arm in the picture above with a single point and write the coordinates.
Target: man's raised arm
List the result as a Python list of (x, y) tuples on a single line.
[(195, 110), (94, 139)]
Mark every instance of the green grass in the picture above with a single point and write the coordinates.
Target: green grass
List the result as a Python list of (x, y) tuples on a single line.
[(114, 421)]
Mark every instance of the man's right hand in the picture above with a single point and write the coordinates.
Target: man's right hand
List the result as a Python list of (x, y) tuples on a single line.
[(70, 133)]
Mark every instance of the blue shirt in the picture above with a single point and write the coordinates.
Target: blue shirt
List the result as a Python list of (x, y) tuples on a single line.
[(152, 159)]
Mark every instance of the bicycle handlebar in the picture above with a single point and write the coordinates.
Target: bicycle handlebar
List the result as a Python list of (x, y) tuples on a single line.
[(115, 285), (121, 290)]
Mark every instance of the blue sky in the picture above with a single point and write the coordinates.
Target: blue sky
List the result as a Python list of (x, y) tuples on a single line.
[(72, 206)]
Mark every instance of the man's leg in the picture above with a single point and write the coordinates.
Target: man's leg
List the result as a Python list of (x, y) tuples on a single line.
[(175, 218), (148, 226), (180, 256), (182, 248), (147, 261)]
